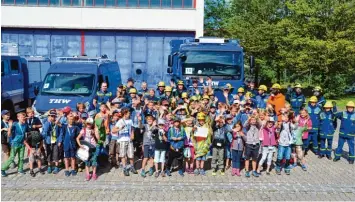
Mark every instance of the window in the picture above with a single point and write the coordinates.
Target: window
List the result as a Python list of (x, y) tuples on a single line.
[(110, 3), (15, 69), (32, 2), (54, 3), (99, 3), (43, 2), (20, 2), (4, 67), (155, 3)]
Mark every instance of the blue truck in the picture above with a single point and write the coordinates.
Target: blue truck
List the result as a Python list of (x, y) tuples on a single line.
[(73, 80), (221, 59), (21, 78)]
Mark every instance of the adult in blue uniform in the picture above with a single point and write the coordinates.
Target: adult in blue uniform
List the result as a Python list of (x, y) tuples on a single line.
[(102, 96), (327, 126), (262, 97), (296, 99), (317, 91), (314, 111), (347, 132), (180, 89), (227, 95), (195, 90), (251, 89), (144, 89)]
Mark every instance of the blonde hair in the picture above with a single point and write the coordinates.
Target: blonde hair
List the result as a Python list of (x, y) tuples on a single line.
[(29, 110)]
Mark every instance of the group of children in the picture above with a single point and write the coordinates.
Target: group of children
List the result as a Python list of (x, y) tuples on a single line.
[(184, 128)]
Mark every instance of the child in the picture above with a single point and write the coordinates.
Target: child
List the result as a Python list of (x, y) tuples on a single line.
[(176, 137), (34, 143), (53, 139), (285, 141), (160, 148), (70, 133), (218, 144), (89, 138), (150, 130), (313, 110), (252, 125), (304, 124), (328, 124), (113, 145), (201, 143), (17, 131), (189, 151), (269, 144), (227, 148), (237, 146), (5, 115)]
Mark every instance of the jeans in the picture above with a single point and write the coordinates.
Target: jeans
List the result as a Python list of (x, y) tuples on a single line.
[(236, 158), (339, 150), (218, 158), (20, 151), (284, 152), (326, 150)]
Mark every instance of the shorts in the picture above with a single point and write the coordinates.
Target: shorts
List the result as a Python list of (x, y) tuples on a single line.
[(69, 153), (251, 152), (201, 158), (114, 147), (126, 149), (52, 152), (159, 156), (35, 154), (148, 151)]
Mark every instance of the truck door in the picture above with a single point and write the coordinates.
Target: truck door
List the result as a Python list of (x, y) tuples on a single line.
[(17, 80), (139, 73), (6, 86)]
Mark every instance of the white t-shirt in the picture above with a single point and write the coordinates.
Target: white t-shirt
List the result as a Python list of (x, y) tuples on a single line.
[(124, 134)]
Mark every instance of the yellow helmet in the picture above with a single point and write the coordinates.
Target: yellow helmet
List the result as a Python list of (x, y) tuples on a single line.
[(201, 115), (276, 86), (328, 104), (350, 104), (248, 94), (161, 84), (240, 90), (263, 87), (168, 89), (210, 93), (317, 88), (298, 85), (132, 91), (229, 85), (180, 82), (184, 95), (206, 97), (193, 98), (313, 99)]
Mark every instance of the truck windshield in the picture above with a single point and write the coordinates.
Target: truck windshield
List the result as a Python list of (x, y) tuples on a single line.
[(69, 84), (212, 63)]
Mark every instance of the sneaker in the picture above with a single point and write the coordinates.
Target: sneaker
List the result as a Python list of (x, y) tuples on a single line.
[(88, 176), (32, 173), (67, 173), (3, 173), (247, 174), (320, 156), (329, 157), (21, 172), (222, 172), (196, 172), (202, 172), (41, 171), (336, 159), (80, 169), (126, 172), (267, 172), (255, 174), (151, 171), (234, 171), (163, 174), (304, 168), (237, 172), (214, 173), (94, 176), (143, 173), (287, 171), (351, 162), (278, 170), (73, 172), (181, 173), (49, 170), (133, 170), (168, 173), (157, 174), (294, 165), (56, 170)]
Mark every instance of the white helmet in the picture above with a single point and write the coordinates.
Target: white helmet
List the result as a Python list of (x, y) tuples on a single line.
[(89, 120)]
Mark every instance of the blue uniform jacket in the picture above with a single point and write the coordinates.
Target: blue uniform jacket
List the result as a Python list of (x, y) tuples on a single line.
[(321, 101), (242, 117), (347, 125), (261, 101), (69, 137), (47, 133), (173, 133), (314, 112), (296, 101), (327, 125)]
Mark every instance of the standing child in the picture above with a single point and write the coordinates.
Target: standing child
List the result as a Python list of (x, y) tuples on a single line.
[(113, 145), (237, 147), (269, 144), (300, 133), (17, 131), (328, 124), (89, 137), (227, 148), (71, 132), (314, 111), (150, 130), (189, 151), (252, 126), (160, 148), (34, 143), (5, 115), (218, 144)]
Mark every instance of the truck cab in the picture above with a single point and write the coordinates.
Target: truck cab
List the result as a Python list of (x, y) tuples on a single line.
[(73, 80)]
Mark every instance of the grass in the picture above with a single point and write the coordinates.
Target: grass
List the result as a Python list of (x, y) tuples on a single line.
[(341, 102)]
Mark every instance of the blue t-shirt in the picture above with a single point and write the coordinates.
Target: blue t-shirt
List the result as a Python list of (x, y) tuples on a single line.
[(18, 134)]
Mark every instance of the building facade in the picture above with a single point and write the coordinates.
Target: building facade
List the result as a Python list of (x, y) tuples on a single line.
[(136, 33)]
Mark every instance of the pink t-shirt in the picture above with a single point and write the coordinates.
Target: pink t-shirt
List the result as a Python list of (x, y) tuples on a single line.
[(305, 122)]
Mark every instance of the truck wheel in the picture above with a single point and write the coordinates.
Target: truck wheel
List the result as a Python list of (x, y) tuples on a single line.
[(9, 106)]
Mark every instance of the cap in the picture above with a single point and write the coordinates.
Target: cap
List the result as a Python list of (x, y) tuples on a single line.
[(228, 116), (213, 106), (149, 115), (3, 112), (89, 120), (176, 119), (130, 79), (53, 112), (236, 102), (116, 101), (161, 122), (271, 119), (66, 109), (84, 115), (180, 102)]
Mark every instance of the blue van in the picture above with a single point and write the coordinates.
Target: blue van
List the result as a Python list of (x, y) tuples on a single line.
[(73, 80)]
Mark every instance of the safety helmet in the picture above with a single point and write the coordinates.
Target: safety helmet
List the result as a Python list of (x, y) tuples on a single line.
[(263, 87), (248, 94), (168, 89), (350, 104), (298, 85), (180, 82), (132, 91), (240, 90), (211, 93), (193, 98), (328, 104), (313, 99), (161, 84), (201, 116), (317, 88), (184, 95), (276, 86), (229, 85), (206, 97)]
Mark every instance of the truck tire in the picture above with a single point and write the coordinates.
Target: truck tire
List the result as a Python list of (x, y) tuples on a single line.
[(9, 106)]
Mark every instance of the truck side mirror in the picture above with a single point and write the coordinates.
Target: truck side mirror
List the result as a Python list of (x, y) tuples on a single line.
[(170, 70), (252, 64), (170, 61)]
